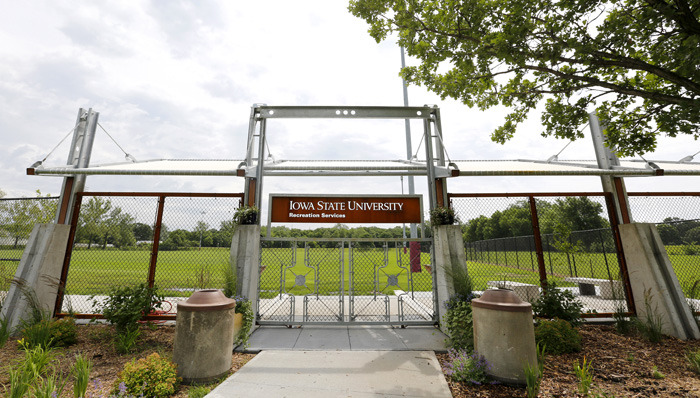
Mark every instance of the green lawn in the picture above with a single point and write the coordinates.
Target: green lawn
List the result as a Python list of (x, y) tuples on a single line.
[(370, 273), (178, 273), (518, 266)]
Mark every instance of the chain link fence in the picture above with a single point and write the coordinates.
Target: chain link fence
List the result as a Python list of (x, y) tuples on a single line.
[(17, 219), (578, 246), (114, 245), (677, 218)]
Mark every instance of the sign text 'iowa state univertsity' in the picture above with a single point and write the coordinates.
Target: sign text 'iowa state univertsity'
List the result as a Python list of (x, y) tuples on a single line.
[(346, 209)]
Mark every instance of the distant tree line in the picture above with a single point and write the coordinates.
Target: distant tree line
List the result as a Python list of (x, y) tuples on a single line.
[(18, 216), (676, 231), (560, 223)]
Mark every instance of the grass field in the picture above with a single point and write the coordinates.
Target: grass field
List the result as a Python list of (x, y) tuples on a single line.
[(178, 273), (514, 266)]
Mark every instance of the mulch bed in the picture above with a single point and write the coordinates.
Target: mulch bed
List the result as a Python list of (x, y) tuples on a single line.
[(622, 367)]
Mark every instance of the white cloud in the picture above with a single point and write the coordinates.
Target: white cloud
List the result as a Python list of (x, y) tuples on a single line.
[(177, 79)]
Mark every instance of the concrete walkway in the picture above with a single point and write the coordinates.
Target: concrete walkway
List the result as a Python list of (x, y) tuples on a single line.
[(340, 361), (334, 338)]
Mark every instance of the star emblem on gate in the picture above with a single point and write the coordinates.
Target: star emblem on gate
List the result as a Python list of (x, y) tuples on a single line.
[(392, 280)]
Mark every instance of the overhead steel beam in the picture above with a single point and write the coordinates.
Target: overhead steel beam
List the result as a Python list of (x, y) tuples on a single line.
[(344, 112)]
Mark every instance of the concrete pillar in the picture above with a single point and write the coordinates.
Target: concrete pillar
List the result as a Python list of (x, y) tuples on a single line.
[(654, 283), (449, 255), (245, 261), (39, 271)]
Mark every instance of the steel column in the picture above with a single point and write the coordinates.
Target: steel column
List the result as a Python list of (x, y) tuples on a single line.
[(78, 157), (606, 160)]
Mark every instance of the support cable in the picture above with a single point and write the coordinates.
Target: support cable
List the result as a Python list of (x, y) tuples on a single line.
[(555, 158), (40, 162), (444, 148), (126, 155), (689, 158)]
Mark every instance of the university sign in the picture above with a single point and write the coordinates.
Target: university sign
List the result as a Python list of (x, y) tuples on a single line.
[(346, 209)]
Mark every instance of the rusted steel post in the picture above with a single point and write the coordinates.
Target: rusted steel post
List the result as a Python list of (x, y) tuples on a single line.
[(538, 241), (156, 242)]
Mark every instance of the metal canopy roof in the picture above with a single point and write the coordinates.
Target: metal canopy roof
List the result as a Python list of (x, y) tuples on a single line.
[(237, 167)]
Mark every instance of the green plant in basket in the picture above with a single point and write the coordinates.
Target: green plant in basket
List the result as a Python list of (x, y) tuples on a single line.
[(442, 216), (246, 215)]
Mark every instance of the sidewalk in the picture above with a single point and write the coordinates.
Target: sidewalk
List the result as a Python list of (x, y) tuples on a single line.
[(340, 361), (336, 338)]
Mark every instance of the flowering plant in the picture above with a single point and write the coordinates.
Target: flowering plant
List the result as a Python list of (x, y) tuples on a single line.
[(465, 367)]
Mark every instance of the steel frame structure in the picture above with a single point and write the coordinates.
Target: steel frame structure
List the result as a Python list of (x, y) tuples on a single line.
[(435, 166)]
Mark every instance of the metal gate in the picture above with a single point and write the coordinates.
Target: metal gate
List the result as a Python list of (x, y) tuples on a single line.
[(349, 281)]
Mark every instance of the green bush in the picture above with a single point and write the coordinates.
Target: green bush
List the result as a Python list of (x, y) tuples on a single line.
[(153, 376), (693, 358), (125, 306), (64, 332), (37, 334), (245, 307), (558, 335), (458, 320), (557, 303)]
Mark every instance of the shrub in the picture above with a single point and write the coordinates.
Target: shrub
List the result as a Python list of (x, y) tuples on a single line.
[(125, 306), (64, 332), (557, 303), (245, 307), (442, 216), (465, 367), (558, 336), (694, 360), (153, 376), (37, 334), (458, 320)]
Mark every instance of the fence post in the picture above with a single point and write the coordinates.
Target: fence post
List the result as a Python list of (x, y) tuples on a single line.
[(538, 241), (69, 252), (156, 242)]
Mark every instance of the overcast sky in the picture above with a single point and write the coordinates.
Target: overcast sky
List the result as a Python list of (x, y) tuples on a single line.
[(175, 79)]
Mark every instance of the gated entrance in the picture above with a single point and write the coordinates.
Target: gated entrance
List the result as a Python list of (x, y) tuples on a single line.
[(357, 281)]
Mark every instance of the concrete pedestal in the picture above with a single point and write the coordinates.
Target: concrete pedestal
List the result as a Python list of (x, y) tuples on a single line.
[(204, 336), (504, 334)]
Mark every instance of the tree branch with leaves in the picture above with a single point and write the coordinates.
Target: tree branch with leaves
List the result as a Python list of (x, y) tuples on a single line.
[(635, 61)]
